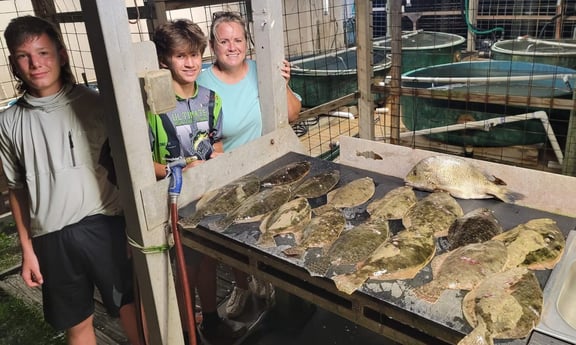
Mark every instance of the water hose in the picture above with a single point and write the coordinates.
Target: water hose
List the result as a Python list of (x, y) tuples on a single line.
[(173, 193)]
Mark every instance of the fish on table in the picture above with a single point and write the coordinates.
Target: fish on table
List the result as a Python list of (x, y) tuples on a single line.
[(433, 214), (352, 194), (255, 207), (476, 226), (400, 257), (505, 305), (353, 246), (537, 244), (320, 232), (459, 177), (394, 204), (287, 175), (318, 185), (463, 268), (289, 218), (222, 200)]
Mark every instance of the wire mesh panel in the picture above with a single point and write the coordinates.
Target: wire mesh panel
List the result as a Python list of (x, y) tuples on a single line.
[(321, 40)]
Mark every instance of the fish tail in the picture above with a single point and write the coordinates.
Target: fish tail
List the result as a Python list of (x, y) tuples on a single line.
[(478, 336), (318, 267), (348, 283), (509, 196), (297, 252), (266, 241), (190, 222), (428, 292), (223, 223)]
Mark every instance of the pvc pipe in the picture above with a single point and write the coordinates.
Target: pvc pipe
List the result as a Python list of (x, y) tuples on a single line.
[(551, 43), (344, 114), (473, 80), (488, 124)]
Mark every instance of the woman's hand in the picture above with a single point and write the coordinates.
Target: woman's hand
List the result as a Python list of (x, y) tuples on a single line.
[(285, 70)]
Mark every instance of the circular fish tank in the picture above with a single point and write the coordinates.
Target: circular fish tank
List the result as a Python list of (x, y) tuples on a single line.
[(321, 78), (552, 52), (425, 48), (494, 78)]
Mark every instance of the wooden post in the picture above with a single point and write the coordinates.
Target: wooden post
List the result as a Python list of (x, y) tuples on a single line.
[(364, 68), (269, 47), (114, 61), (395, 70)]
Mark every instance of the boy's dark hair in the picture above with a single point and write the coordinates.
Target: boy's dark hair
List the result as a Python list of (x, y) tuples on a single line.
[(178, 33), (21, 29)]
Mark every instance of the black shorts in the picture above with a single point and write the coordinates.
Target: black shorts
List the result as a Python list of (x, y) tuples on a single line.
[(73, 260)]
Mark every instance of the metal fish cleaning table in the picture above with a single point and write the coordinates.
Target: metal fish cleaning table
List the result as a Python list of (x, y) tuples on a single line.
[(385, 307)]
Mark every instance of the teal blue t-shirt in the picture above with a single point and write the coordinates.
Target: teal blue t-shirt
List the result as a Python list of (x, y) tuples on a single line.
[(240, 103)]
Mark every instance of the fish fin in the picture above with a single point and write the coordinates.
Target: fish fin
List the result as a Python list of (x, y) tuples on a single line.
[(497, 181), (348, 283), (294, 252), (509, 196)]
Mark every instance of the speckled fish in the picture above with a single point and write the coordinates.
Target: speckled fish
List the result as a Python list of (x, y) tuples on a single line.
[(222, 200), (287, 175), (433, 214), (400, 257), (255, 207), (394, 204), (352, 194), (458, 177), (478, 225), (321, 232), (291, 217), (506, 305), (537, 244), (463, 268), (318, 185), (353, 245)]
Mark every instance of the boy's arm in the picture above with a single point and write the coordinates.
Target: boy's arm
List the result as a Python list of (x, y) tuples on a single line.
[(19, 206)]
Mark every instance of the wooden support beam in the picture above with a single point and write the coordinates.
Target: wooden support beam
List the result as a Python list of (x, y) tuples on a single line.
[(114, 61), (364, 68), (269, 48)]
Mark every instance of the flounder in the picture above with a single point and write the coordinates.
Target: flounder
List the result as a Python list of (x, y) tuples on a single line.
[(506, 305), (318, 185), (291, 217), (222, 200), (287, 175), (537, 244), (400, 257), (256, 206), (320, 232), (463, 268), (433, 214), (394, 204), (353, 245), (352, 194), (458, 177), (478, 225)]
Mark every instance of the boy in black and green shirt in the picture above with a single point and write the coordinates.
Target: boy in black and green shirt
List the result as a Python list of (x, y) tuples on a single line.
[(194, 129)]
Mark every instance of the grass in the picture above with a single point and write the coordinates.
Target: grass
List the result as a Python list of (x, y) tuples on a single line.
[(21, 324)]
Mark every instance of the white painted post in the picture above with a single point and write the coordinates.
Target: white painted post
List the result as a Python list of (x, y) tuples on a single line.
[(269, 47), (108, 33)]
